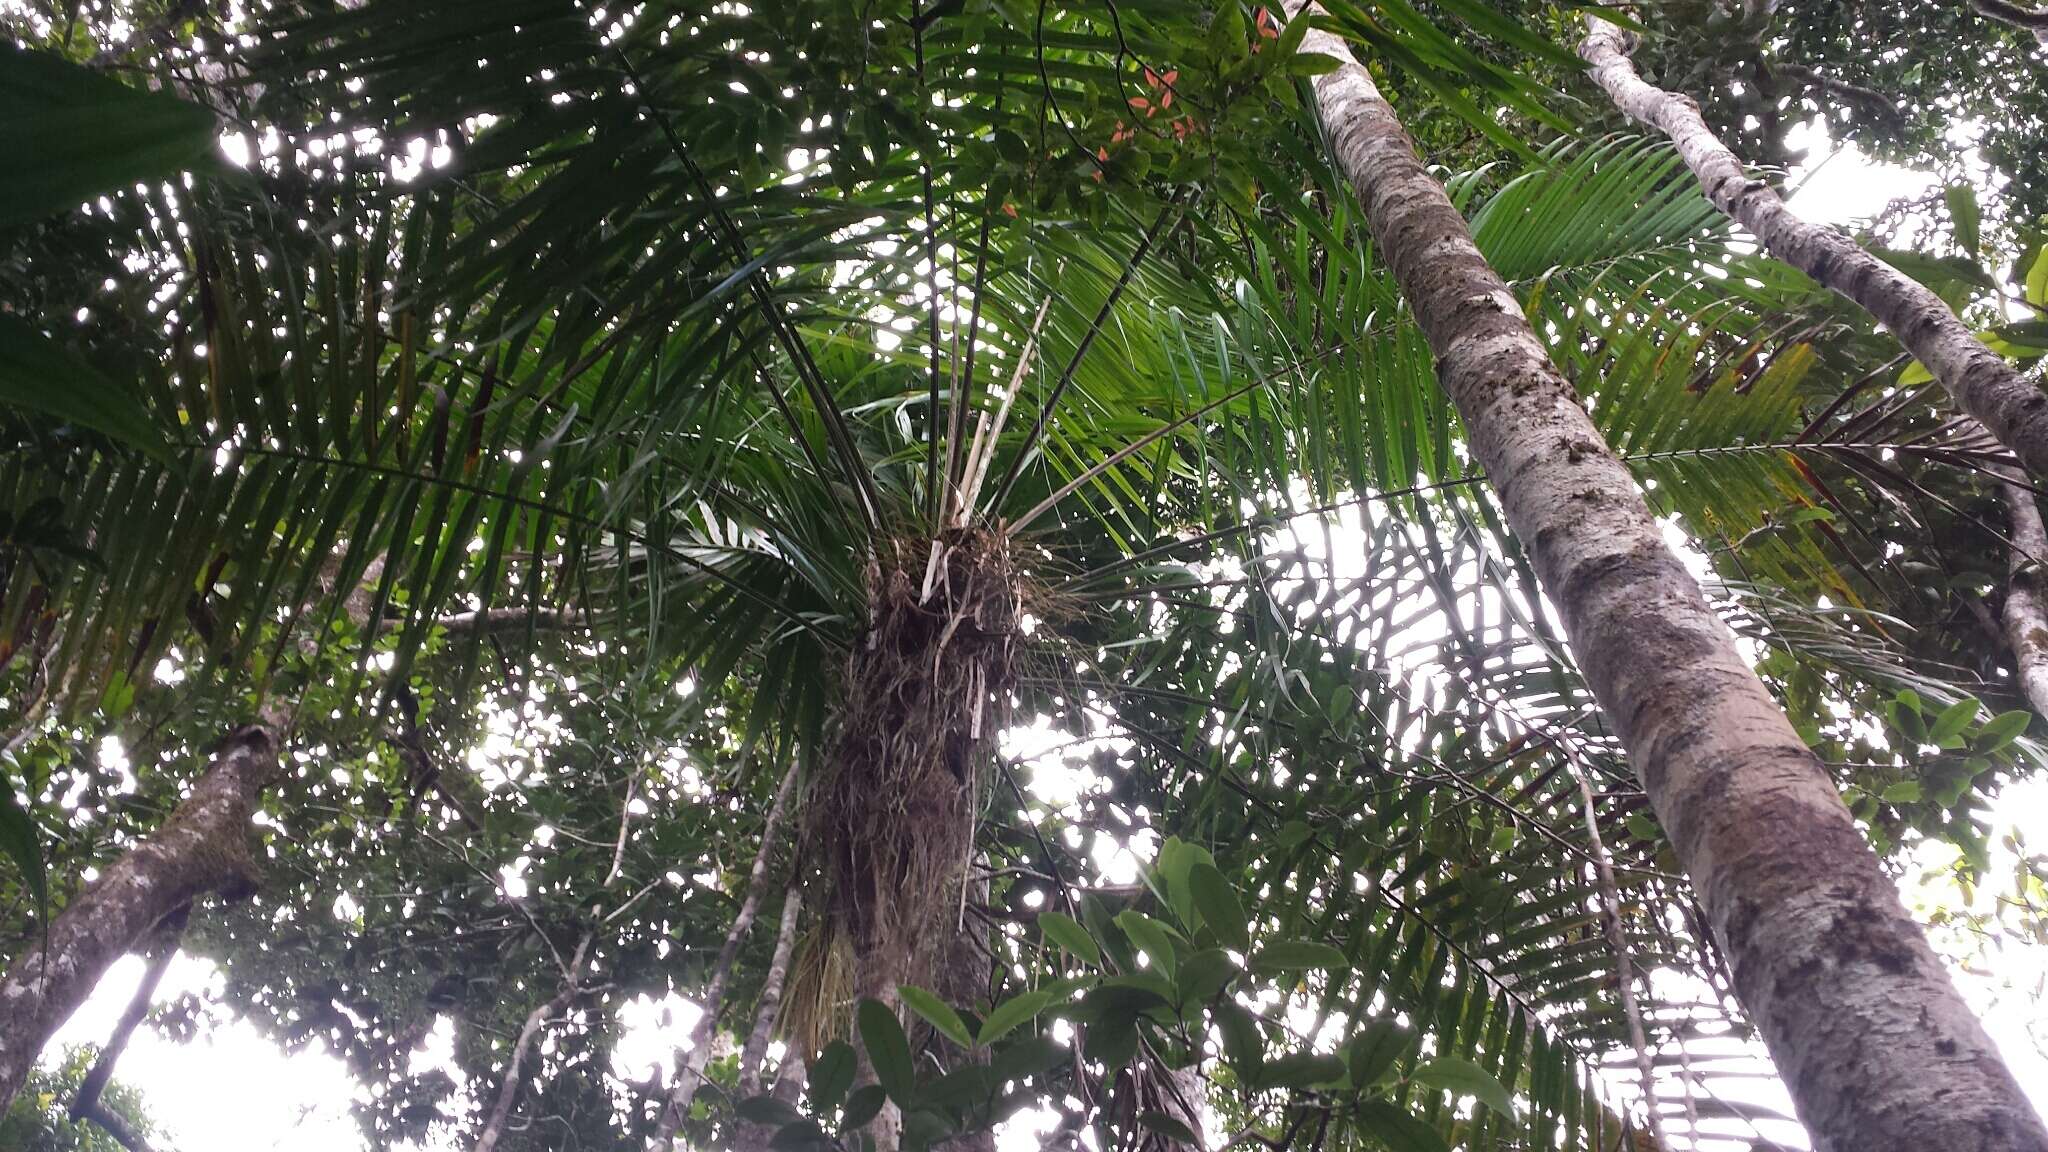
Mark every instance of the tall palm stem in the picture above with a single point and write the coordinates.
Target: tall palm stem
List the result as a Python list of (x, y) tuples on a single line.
[(1876, 1046)]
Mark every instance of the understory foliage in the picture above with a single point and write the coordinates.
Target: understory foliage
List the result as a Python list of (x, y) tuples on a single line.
[(565, 419)]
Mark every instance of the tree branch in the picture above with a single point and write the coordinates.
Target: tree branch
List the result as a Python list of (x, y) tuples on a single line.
[(508, 1088), (691, 1076), (2034, 20), (86, 1105)]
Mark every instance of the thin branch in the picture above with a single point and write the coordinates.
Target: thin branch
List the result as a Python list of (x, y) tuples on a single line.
[(2034, 20), (508, 1088), (1624, 965), (768, 1008), (87, 1104), (691, 1075)]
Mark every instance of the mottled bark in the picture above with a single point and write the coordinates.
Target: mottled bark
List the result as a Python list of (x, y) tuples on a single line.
[(767, 1015), (768, 1007), (2026, 592), (508, 1085), (203, 848), (691, 1076), (1979, 380), (1876, 1047)]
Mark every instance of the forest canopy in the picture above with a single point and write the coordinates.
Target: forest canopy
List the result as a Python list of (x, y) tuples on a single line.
[(1131, 575)]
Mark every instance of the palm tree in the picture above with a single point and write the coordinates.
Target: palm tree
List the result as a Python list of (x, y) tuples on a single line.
[(898, 379)]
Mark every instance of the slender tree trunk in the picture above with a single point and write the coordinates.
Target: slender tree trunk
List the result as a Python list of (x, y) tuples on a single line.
[(87, 1104), (1978, 379), (1876, 1046), (2026, 592), (767, 1014), (508, 1086), (691, 1075), (768, 1009), (202, 848)]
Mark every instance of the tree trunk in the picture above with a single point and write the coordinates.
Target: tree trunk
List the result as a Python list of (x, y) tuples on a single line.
[(202, 848), (894, 815), (87, 1103), (767, 1014), (1878, 1050), (1978, 379), (691, 1075), (2026, 598)]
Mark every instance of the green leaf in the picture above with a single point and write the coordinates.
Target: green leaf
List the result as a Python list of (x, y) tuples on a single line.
[(1169, 1127), (1067, 932), (1112, 1040), (1243, 1045), (1952, 720), (18, 840), (1967, 216), (1297, 956), (888, 1049), (922, 1129), (2036, 287), (1312, 64), (1374, 1050), (938, 1013), (1219, 906), (801, 1135), (1012, 1012), (1485, 20), (76, 133), (1904, 792), (1466, 1079), (1642, 827), (768, 1110), (1905, 716), (39, 375), (2001, 730), (864, 1105), (1398, 1130), (1203, 975), (1029, 1056), (1152, 939), (1937, 271), (1303, 1070), (831, 1075)]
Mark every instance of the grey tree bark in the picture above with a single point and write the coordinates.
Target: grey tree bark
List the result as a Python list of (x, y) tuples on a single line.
[(768, 1008), (691, 1076), (2026, 592), (1878, 1050), (202, 848), (767, 1015), (1978, 379)]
